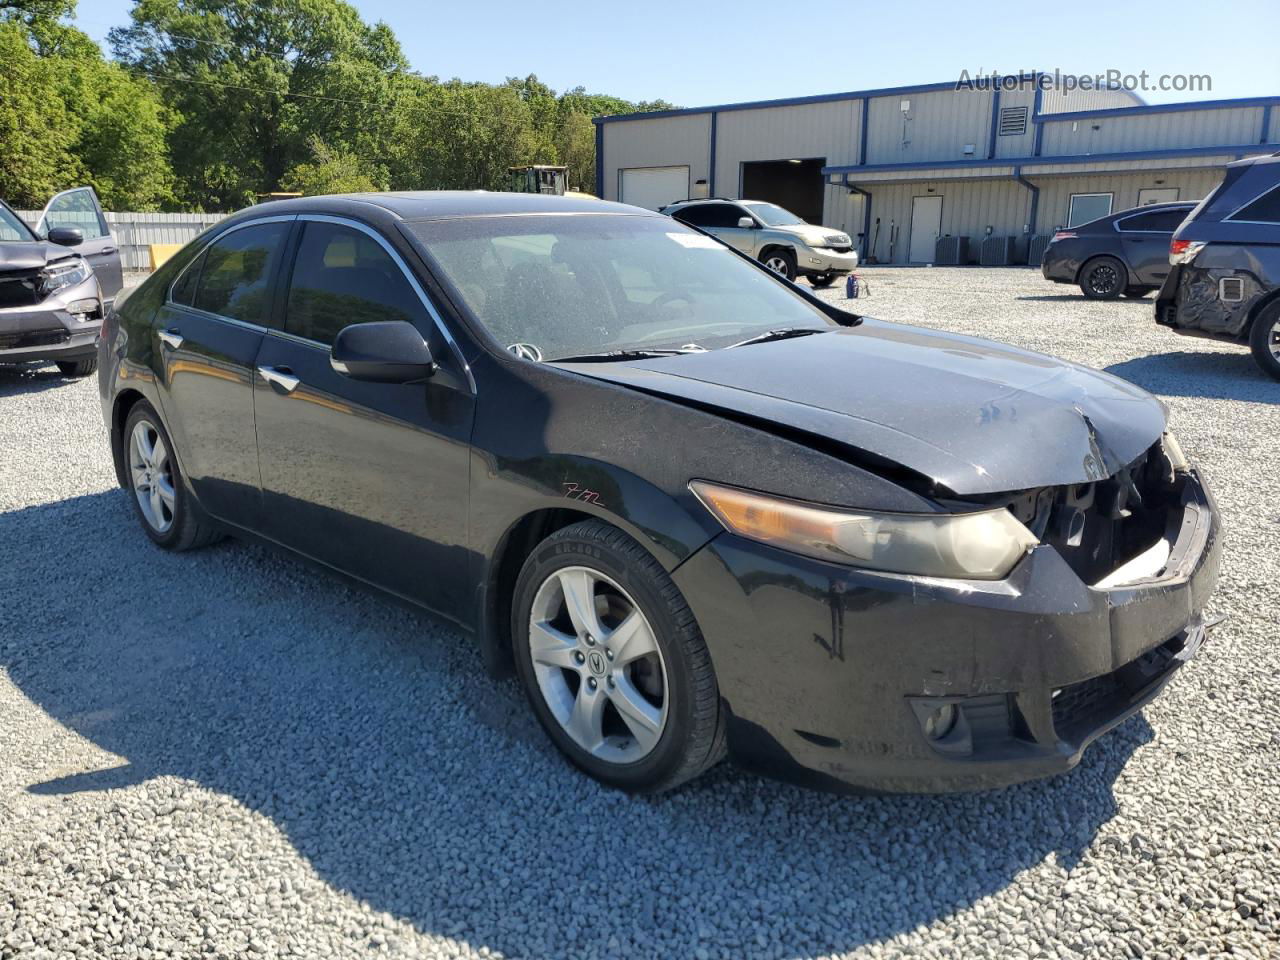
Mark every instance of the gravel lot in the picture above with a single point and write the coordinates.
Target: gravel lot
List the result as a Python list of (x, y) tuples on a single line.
[(226, 754)]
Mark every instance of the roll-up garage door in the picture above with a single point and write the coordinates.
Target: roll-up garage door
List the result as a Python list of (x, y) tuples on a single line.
[(653, 187)]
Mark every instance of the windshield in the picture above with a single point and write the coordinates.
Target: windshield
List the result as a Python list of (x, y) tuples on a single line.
[(772, 215), (12, 229), (586, 284)]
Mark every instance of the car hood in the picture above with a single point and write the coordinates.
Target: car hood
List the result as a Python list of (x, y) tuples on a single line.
[(973, 416), (814, 236), (28, 255)]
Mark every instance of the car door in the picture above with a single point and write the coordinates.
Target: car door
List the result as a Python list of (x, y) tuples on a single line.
[(207, 336), (79, 208), (1145, 240), (370, 478), (721, 220)]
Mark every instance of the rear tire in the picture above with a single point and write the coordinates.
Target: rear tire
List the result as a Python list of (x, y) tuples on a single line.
[(820, 280), (1264, 340), (781, 262), (635, 707), (78, 368), (167, 511), (1103, 278)]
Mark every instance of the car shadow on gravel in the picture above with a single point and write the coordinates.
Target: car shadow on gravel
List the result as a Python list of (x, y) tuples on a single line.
[(30, 378), (374, 741), (1213, 375)]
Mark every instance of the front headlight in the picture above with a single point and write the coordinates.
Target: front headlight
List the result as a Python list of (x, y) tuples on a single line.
[(973, 546), (837, 240), (62, 275)]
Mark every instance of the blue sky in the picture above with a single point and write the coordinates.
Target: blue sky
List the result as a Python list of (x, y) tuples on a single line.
[(693, 54)]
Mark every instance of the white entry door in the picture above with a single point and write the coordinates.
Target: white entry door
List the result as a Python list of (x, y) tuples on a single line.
[(926, 225), (653, 187)]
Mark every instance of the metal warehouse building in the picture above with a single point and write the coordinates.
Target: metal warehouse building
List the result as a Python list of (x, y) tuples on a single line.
[(911, 170)]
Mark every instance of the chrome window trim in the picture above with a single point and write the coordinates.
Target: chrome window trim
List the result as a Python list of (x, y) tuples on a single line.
[(408, 275), (305, 341), (1231, 216), (168, 294)]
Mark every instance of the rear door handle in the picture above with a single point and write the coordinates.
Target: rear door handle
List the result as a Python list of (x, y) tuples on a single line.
[(171, 338), (281, 377)]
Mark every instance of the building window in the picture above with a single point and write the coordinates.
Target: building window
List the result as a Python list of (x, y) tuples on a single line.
[(1013, 121), (1088, 206)]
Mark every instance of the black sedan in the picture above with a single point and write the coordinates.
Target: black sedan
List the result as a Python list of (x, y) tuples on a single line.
[(1124, 253), (697, 509)]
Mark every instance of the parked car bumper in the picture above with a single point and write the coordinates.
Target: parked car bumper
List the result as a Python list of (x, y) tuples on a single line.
[(49, 331), (1058, 267), (830, 673), (1190, 299), (820, 260)]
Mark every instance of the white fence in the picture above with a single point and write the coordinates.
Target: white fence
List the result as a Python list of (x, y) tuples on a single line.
[(134, 232)]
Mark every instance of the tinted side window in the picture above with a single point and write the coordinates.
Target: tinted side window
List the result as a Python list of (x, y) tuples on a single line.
[(1266, 209), (1159, 221), (184, 290), (699, 215), (726, 215), (340, 277), (235, 280)]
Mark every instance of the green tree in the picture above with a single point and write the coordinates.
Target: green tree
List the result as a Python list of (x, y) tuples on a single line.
[(254, 84), (36, 131), (333, 171)]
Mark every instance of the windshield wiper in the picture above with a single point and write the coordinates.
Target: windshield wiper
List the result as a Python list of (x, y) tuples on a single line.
[(786, 333), (609, 356)]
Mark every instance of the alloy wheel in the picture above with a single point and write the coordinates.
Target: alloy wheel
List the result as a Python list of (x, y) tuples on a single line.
[(597, 665), (1273, 339), (778, 265), (152, 475), (1103, 279)]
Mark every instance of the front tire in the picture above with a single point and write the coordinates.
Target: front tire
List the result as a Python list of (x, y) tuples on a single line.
[(613, 662), (1264, 340), (781, 262), (821, 280), (1103, 278), (78, 368), (168, 513)]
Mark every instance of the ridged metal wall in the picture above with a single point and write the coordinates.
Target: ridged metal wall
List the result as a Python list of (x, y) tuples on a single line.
[(937, 126), (1152, 131), (1055, 192), (662, 142), (968, 207)]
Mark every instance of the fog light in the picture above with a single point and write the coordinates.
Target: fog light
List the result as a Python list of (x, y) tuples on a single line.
[(940, 721), (83, 306)]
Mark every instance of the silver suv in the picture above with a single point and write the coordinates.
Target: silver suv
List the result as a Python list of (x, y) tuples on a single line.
[(776, 237)]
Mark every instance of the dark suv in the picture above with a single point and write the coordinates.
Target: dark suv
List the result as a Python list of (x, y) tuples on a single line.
[(1124, 253), (1225, 276)]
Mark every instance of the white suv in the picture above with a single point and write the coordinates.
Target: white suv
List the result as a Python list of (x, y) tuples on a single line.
[(776, 237)]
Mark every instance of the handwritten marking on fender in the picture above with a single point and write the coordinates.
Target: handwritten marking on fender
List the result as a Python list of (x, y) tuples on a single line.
[(573, 491)]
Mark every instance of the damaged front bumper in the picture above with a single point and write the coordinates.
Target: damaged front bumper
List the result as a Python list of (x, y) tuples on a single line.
[(831, 674)]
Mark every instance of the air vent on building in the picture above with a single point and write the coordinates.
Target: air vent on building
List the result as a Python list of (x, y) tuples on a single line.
[(1036, 248), (1013, 121), (1231, 289)]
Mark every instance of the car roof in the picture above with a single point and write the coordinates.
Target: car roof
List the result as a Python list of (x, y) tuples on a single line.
[(454, 204)]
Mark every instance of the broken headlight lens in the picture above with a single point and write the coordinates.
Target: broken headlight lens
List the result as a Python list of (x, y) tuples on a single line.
[(972, 546), (62, 275)]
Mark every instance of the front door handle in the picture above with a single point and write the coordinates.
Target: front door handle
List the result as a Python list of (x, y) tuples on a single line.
[(107, 250), (280, 377), (171, 338)]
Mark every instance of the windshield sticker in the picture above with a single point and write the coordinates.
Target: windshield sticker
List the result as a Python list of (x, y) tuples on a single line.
[(696, 241)]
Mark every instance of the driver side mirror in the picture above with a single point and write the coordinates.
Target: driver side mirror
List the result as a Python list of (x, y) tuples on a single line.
[(66, 236), (386, 352), (746, 223)]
